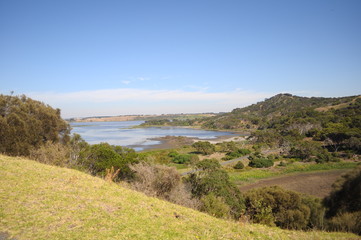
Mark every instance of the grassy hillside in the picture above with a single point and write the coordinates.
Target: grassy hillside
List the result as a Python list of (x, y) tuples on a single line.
[(44, 202)]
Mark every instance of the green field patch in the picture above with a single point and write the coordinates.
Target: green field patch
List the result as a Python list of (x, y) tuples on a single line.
[(253, 175)]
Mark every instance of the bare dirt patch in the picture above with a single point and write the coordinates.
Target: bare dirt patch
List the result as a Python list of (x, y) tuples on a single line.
[(318, 184)]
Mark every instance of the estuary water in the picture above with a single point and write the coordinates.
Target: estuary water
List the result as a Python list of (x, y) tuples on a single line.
[(122, 133)]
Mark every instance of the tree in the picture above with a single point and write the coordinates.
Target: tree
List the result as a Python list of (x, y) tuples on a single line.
[(205, 148), (228, 146), (26, 124)]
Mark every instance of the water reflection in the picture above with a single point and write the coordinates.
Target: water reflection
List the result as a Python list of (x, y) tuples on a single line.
[(121, 133)]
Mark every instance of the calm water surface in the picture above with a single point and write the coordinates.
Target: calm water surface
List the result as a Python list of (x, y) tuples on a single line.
[(121, 133)]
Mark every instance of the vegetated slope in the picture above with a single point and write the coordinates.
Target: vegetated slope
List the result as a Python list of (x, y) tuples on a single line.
[(277, 106), (45, 202), (286, 103)]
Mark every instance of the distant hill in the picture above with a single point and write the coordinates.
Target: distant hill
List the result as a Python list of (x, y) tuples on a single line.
[(275, 107), (45, 202), (286, 103)]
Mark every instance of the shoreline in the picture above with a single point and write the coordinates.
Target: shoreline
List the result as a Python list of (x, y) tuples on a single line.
[(169, 142)]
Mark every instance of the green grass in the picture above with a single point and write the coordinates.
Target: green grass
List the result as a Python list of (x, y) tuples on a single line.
[(178, 166), (45, 202), (251, 175)]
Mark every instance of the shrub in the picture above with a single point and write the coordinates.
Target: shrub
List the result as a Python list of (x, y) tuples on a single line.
[(227, 146), (346, 222), (173, 154), (237, 153), (282, 164), (215, 206), (78, 151), (344, 203), (260, 163), (185, 158), (239, 165), (162, 182), (317, 212), (346, 194), (205, 148), (51, 153), (324, 156), (260, 212), (283, 208), (103, 156), (210, 178)]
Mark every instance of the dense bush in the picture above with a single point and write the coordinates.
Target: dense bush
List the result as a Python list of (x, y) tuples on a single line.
[(185, 158), (99, 157), (346, 194), (311, 151), (210, 178), (26, 124), (239, 165), (227, 146), (205, 148), (344, 203), (285, 209), (173, 154), (215, 206), (237, 153), (346, 222), (260, 163)]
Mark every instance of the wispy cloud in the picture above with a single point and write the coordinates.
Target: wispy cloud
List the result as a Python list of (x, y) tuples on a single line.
[(120, 94), (126, 82), (199, 88), (143, 78), (148, 101)]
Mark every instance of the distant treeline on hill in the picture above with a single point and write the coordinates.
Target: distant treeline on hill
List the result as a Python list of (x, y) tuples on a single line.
[(287, 118)]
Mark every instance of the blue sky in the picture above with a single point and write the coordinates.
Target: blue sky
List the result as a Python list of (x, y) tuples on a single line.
[(138, 57)]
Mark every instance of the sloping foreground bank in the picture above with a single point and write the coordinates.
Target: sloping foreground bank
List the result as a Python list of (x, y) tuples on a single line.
[(44, 202)]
